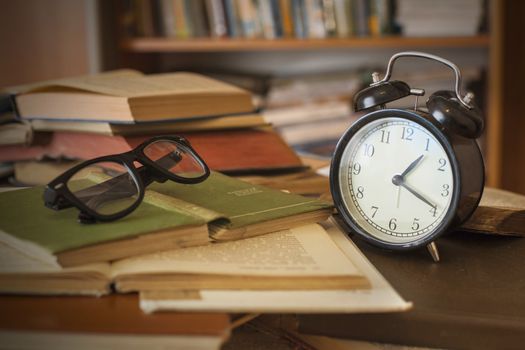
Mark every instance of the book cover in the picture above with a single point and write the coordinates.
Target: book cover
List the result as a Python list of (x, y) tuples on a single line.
[(57, 237)]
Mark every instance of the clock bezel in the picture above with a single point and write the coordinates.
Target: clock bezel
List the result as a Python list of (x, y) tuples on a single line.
[(426, 122)]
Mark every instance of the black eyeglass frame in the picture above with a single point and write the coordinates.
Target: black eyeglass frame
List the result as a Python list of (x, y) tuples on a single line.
[(57, 195)]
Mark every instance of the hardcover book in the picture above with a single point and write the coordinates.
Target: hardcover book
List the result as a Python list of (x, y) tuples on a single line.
[(171, 216), (198, 124), (233, 151), (129, 96), (112, 322)]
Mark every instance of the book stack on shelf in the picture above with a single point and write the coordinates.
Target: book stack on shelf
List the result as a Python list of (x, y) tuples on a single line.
[(85, 117)]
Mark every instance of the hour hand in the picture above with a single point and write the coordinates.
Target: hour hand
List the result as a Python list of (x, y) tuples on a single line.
[(412, 166)]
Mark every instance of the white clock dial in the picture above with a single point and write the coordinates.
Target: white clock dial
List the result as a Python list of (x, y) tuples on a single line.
[(396, 180)]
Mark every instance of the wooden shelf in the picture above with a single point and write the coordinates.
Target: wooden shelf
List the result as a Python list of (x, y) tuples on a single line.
[(148, 45)]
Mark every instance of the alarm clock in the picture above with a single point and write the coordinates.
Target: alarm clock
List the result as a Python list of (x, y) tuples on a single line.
[(400, 178)]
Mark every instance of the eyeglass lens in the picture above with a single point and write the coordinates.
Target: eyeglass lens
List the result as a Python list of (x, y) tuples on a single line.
[(175, 157), (105, 187)]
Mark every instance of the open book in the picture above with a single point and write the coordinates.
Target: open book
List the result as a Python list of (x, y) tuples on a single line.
[(380, 297), (171, 216), (302, 258), (128, 96)]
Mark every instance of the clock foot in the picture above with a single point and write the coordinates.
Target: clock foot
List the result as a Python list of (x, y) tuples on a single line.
[(433, 250)]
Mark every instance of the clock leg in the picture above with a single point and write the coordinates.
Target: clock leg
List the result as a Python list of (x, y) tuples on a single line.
[(433, 250)]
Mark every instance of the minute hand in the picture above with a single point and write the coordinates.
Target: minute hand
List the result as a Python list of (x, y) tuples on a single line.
[(415, 193)]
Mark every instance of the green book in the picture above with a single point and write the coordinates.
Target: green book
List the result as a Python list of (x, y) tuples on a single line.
[(171, 216)]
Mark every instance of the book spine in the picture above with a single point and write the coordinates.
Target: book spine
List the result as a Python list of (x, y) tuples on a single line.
[(168, 18), (216, 18), (199, 23), (266, 19), (285, 7), (181, 24), (231, 14), (158, 26), (342, 13), (314, 19), (374, 28), (298, 18), (361, 10), (277, 18), (247, 18), (329, 18)]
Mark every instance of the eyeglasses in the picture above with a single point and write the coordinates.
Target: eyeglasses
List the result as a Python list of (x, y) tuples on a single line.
[(110, 187)]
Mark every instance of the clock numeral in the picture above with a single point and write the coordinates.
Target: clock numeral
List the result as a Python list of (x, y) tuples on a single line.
[(442, 164), (415, 224), (428, 143), (446, 190), (374, 211), (356, 168), (433, 211), (392, 224), (360, 192), (407, 134), (369, 150), (385, 136)]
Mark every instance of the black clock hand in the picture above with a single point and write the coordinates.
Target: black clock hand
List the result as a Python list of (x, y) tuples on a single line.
[(412, 166), (415, 193)]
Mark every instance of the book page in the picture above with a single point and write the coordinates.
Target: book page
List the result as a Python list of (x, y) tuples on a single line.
[(302, 251), (381, 297), (136, 85), (20, 89), (13, 261)]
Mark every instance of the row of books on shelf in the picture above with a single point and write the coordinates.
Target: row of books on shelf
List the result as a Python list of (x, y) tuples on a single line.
[(273, 19)]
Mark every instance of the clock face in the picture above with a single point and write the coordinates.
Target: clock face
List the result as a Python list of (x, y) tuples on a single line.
[(396, 180)]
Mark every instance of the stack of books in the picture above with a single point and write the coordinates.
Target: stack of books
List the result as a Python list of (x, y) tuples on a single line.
[(86, 117), (222, 245), (312, 110), (429, 18)]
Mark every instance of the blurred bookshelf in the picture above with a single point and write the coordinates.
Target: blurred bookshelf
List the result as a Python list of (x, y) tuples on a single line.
[(148, 37)]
